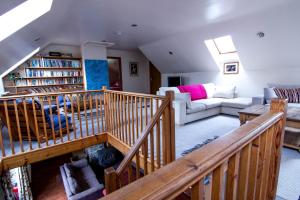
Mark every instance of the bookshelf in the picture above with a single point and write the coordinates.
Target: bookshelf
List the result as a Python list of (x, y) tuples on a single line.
[(39, 73)]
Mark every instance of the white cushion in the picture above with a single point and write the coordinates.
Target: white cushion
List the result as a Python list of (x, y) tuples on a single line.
[(209, 103), (237, 102), (186, 97), (162, 90), (210, 89), (225, 92), (196, 107), (294, 105)]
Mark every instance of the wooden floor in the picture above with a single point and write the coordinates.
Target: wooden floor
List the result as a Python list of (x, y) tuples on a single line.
[(46, 180)]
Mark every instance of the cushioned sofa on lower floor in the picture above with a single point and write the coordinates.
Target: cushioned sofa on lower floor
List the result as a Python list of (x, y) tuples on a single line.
[(220, 100), (80, 181)]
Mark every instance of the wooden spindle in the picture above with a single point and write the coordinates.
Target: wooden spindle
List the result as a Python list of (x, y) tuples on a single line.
[(151, 138), (9, 127), (232, 177), (118, 113), (128, 121), (136, 118), (253, 168), (158, 144), (267, 159), (78, 115), (197, 192), (1, 142), (85, 115), (141, 114), (44, 120), (27, 123), (59, 119), (36, 123), (73, 118), (51, 120), (217, 183), (132, 119), (137, 166), (122, 119), (97, 112), (243, 172), (18, 126), (92, 117), (101, 112), (145, 156), (66, 116)]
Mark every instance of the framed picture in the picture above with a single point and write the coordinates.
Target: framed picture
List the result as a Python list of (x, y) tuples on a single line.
[(134, 69), (231, 68)]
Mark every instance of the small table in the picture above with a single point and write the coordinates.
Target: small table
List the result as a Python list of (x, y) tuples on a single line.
[(292, 122)]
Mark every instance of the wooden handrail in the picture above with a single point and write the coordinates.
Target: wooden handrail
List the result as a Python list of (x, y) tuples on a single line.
[(48, 94), (136, 94), (256, 144), (132, 152)]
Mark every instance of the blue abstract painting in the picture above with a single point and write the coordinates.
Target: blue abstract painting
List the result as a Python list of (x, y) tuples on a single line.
[(96, 72)]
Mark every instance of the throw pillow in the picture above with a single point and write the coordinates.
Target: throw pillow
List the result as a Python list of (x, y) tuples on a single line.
[(73, 185), (196, 91), (292, 95), (269, 94), (210, 89), (227, 92)]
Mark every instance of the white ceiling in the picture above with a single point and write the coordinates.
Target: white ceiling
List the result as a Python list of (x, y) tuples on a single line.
[(176, 25)]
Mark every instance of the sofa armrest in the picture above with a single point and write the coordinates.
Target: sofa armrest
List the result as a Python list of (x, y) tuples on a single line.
[(80, 163), (260, 100), (90, 194), (185, 97), (180, 111)]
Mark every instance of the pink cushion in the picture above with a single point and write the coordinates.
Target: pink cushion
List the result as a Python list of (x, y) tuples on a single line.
[(196, 91)]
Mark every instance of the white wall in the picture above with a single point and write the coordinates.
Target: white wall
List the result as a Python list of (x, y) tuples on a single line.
[(63, 48), (141, 83), (250, 82)]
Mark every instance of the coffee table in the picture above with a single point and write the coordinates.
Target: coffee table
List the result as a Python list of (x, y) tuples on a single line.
[(292, 134)]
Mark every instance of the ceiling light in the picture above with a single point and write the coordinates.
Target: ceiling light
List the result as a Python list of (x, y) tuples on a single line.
[(23, 14), (260, 34), (171, 53), (134, 25)]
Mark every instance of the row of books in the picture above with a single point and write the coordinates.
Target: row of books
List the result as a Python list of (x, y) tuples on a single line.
[(48, 82), (54, 63), (37, 73)]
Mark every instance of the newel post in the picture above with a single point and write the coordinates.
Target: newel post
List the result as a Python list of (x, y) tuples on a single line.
[(171, 127), (277, 105), (110, 180)]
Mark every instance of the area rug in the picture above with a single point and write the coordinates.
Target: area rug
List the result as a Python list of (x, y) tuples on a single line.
[(198, 146)]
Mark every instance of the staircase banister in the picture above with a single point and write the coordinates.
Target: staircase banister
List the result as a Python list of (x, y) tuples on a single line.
[(127, 159), (170, 181)]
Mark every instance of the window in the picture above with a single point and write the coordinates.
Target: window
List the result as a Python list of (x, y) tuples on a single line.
[(224, 45), (23, 14), (222, 50)]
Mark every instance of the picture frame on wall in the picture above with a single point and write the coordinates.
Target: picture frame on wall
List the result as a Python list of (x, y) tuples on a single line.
[(231, 68), (134, 69)]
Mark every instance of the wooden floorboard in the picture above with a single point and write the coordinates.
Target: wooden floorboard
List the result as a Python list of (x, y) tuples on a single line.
[(46, 179)]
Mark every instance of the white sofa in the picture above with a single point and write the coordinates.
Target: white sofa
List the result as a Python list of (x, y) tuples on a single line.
[(221, 100)]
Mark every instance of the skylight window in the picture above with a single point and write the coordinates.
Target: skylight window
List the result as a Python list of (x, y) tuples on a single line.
[(224, 45), (23, 14)]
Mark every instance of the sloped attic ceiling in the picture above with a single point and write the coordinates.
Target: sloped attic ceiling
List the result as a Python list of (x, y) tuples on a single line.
[(169, 25)]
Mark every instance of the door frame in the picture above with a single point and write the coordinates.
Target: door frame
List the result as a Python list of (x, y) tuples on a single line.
[(120, 68)]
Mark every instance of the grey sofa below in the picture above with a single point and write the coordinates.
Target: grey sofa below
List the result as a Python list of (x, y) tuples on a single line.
[(80, 181)]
